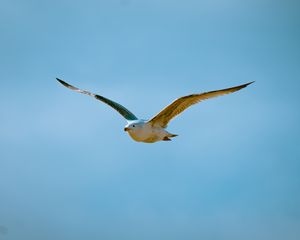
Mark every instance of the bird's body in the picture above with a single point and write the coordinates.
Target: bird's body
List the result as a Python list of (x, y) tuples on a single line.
[(143, 131), (154, 130)]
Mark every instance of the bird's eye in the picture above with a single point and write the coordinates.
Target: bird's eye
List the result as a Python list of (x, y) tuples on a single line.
[(133, 125)]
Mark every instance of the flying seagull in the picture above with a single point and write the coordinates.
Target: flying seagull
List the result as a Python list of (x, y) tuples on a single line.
[(153, 130)]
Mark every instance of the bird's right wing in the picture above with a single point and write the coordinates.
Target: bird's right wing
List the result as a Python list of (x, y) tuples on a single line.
[(122, 110), (180, 104)]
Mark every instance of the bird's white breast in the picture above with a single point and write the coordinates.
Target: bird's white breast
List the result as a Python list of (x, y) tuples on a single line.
[(148, 134)]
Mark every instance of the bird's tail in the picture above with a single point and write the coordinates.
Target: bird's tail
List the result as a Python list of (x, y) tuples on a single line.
[(172, 135), (169, 136)]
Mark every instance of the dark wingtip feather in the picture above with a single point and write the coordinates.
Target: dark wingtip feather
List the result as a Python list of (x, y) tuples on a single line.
[(248, 83), (244, 85), (63, 83)]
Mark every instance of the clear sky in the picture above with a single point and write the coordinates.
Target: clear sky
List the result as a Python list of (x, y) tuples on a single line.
[(69, 171)]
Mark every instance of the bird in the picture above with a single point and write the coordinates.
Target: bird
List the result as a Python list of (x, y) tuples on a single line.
[(154, 130)]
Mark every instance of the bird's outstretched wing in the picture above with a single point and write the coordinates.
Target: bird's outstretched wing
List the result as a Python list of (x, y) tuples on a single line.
[(122, 110), (180, 104)]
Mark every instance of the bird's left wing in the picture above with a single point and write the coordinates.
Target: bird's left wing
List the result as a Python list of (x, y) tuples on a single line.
[(122, 110), (179, 105)]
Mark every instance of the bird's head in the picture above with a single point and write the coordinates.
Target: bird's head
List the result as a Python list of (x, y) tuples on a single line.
[(133, 126)]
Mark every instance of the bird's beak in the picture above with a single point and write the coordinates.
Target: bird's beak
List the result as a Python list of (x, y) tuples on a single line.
[(126, 129)]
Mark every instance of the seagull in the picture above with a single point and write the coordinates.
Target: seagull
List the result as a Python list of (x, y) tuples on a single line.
[(154, 130)]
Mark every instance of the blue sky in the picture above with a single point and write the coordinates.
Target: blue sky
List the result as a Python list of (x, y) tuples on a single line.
[(68, 170)]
